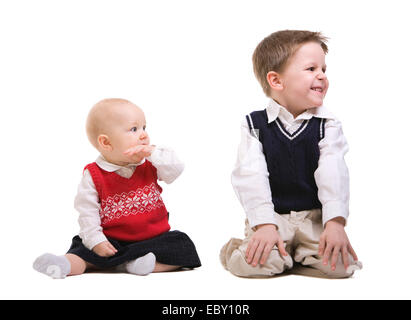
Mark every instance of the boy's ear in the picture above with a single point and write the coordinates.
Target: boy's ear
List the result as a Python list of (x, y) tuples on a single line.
[(104, 142), (274, 80)]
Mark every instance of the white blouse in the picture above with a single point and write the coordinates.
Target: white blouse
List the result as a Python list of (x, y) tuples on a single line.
[(87, 202), (250, 175)]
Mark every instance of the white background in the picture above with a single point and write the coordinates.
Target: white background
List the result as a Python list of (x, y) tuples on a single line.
[(188, 65)]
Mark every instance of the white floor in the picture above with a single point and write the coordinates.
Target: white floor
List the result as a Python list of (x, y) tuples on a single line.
[(210, 281)]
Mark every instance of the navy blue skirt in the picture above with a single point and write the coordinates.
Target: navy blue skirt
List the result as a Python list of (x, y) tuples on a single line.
[(172, 248)]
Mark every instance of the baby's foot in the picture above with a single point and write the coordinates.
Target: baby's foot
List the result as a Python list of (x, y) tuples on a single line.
[(57, 267), (143, 265)]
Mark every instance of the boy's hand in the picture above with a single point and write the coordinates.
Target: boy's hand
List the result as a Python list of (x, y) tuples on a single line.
[(261, 244), (105, 249), (333, 241), (138, 153)]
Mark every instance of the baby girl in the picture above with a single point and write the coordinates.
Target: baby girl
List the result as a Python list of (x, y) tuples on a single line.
[(123, 220)]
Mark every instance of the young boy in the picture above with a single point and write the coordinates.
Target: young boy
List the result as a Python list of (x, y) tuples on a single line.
[(123, 220), (290, 174)]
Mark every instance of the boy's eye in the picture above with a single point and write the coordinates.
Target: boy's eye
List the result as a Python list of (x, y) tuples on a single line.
[(144, 128), (311, 69)]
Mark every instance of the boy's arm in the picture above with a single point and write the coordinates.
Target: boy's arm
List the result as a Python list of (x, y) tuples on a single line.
[(168, 165), (252, 187), (331, 176), (332, 180), (87, 204), (250, 180)]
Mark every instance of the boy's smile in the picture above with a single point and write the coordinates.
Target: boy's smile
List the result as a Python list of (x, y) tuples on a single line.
[(303, 83)]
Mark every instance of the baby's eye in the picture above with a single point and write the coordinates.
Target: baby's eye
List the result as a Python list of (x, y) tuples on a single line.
[(144, 128), (133, 129), (311, 68)]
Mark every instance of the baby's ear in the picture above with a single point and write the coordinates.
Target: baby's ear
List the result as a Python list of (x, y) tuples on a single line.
[(104, 142), (274, 80)]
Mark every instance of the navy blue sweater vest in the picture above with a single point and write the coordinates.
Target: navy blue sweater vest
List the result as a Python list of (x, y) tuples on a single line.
[(291, 160)]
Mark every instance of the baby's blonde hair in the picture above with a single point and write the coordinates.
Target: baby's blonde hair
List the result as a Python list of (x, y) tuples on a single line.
[(98, 117)]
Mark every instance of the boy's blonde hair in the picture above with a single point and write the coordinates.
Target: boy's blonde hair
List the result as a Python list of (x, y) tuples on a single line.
[(273, 53)]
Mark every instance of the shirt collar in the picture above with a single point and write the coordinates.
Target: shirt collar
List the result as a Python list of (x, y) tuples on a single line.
[(111, 167), (274, 110)]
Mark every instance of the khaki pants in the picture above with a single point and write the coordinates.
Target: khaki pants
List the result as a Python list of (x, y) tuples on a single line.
[(300, 232)]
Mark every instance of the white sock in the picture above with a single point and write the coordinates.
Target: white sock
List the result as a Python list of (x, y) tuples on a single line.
[(57, 267), (143, 265)]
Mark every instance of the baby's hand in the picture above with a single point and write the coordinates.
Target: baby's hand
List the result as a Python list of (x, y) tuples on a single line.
[(261, 244), (138, 153), (105, 249), (333, 241)]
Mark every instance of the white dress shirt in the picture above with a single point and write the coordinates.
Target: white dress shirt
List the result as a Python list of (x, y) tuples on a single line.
[(250, 175), (87, 201)]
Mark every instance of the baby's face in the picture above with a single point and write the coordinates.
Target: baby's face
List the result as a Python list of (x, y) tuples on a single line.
[(304, 80), (126, 129)]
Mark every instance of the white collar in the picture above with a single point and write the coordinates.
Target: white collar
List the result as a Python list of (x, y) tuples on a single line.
[(274, 110), (111, 167)]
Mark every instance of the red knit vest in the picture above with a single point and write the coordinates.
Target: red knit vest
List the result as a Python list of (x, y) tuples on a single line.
[(131, 209)]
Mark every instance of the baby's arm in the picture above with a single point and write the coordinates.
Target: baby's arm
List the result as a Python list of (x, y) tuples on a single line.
[(251, 185), (165, 160), (332, 180), (168, 165), (87, 204)]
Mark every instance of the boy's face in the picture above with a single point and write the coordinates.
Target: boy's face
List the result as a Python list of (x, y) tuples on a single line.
[(126, 129), (304, 81)]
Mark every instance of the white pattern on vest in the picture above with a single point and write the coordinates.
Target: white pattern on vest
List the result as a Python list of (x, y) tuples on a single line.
[(142, 200)]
